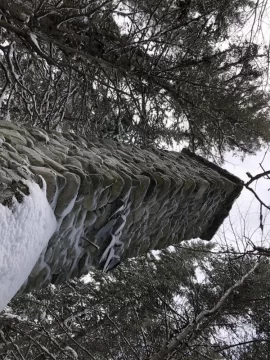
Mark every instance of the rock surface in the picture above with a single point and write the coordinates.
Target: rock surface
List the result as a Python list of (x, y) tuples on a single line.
[(111, 201)]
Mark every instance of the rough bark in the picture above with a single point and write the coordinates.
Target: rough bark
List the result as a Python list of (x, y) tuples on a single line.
[(111, 201)]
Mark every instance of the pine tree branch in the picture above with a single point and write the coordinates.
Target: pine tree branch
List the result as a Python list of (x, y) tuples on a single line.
[(181, 341), (242, 343), (256, 177)]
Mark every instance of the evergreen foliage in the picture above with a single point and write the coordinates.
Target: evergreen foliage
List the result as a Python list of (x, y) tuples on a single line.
[(145, 72), (153, 73), (130, 312)]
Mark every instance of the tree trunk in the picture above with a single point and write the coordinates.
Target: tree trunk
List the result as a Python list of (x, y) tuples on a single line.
[(112, 201)]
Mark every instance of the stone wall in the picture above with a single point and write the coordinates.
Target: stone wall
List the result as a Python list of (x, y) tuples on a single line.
[(111, 201)]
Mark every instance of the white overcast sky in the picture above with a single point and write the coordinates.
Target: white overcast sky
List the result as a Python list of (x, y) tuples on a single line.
[(246, 211)]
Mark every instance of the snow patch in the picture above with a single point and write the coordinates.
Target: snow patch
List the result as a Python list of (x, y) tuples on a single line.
[(73, 352), (33, 37), (25, 230)]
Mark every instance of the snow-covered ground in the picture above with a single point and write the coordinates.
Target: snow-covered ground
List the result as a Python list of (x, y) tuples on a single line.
[(25, 230)]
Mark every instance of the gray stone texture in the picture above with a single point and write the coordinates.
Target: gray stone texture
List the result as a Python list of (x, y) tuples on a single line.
[(111, 201)]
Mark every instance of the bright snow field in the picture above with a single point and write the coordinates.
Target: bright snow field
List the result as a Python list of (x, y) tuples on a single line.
[(25, 230)]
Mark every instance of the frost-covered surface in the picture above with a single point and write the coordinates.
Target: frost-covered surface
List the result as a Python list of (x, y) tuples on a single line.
[(25, 229), (112, 201)]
